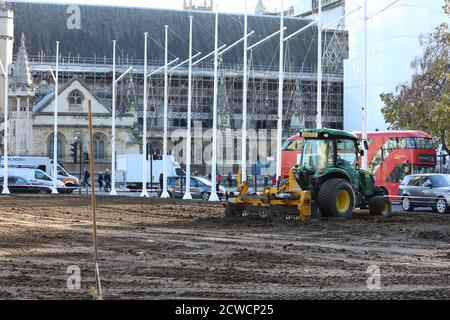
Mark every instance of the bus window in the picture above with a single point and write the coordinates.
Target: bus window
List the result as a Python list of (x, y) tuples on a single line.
[(399, 173), (424, 143), (292, 145)]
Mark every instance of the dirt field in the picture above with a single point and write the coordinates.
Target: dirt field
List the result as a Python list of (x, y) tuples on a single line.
[(155, 249)]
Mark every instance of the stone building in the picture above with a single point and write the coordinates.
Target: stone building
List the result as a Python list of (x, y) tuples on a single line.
[(86, 74)]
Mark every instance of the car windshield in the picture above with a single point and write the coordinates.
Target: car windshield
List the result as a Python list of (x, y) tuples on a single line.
[(204, 181), (441, 181), (317, 154)]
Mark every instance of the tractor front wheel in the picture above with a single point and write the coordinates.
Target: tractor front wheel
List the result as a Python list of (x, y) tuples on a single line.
[(336, 199), (380, 206)]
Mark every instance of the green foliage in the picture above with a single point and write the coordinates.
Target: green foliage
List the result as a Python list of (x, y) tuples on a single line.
[(424, 102)]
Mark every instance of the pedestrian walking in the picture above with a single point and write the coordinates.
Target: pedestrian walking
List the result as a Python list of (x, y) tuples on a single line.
[(218, 182), (161, 181), (230, 179), (100, 180), (274, 180), (87, 175), (107, 179)]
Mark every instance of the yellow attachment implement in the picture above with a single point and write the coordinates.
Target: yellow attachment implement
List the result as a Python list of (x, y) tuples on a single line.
[(288, 200)]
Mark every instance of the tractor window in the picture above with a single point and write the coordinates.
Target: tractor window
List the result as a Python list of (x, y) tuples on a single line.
[(346, 153), (317, 154)]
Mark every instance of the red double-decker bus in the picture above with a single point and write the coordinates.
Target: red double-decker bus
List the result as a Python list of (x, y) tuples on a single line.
[(392, 155)]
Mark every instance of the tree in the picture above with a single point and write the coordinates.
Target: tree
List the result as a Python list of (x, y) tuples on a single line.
[(424, 102)]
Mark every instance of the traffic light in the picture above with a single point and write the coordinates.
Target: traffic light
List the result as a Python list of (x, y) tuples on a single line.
[(156, 155), (86, 157), (74, 151)]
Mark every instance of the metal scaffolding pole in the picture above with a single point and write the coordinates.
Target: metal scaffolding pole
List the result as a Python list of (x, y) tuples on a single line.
[(164, 193), (4, 69), (280, 94), (213, 196), (187, 195), (113, 138), (244, 100), (144, 135), (113, 129), (319, 66), (365, 89), (55, 118)]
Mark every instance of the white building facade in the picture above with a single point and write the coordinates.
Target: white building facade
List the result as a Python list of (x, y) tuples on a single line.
[(393, 43)]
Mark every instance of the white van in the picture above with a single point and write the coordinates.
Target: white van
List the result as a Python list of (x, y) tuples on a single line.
[(36, 177), (45, 164)]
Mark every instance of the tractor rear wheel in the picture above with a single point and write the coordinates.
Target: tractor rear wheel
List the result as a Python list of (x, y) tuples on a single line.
[(380, 206), (336, 199)]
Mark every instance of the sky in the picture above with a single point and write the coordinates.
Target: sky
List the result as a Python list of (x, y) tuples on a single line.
[(235, 6)]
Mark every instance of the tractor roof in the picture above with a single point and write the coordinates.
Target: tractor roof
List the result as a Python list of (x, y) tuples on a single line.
[(332, 133)]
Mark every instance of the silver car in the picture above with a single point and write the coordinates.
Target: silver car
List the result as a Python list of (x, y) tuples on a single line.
[(200, 188), (425, 190)]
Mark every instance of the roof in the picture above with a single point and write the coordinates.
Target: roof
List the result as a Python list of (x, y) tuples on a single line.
[(45, 23), (46, 100), (333, 132), (396, 134)]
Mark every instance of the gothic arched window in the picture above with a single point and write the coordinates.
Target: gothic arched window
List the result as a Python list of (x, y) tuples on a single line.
[(99, 147), (75, 99), (50, 149)]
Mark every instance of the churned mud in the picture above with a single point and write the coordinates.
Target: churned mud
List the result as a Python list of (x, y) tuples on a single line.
[(170, 249)]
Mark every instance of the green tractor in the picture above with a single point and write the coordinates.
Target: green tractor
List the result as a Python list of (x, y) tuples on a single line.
[(328, 180), (329, 168)]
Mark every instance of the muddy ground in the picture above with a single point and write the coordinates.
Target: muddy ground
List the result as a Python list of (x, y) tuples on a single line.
[(166, 249)]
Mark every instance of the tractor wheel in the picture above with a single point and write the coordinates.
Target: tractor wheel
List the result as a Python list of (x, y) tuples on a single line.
[(380, 206), (336, 199)]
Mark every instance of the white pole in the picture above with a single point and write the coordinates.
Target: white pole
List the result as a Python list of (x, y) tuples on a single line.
[(187, 195), (144, 135), (113, 130), (164, 193), (55, 118), (244, 100), (280, 94), (213, 196), (5, 133), (319, 66), (365, 89)]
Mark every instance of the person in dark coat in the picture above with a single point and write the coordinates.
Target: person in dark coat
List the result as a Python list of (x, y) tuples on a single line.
[(100, 181), (230, 179), (161, 181), (87, 175), (107, 179)]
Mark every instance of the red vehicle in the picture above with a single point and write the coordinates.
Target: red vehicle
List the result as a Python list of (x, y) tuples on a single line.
[(392, 155)]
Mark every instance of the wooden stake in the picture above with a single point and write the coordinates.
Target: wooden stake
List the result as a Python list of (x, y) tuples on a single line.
[(94, 216)]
